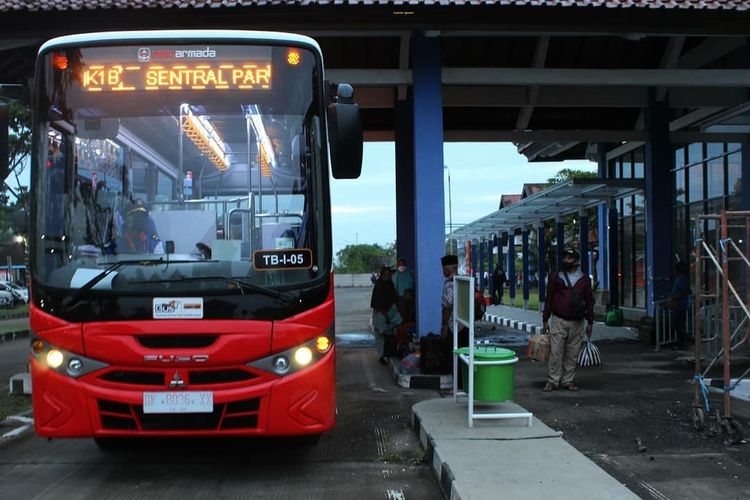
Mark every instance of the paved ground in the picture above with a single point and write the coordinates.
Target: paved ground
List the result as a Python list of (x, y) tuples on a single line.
[(372, 453), (640, 393)]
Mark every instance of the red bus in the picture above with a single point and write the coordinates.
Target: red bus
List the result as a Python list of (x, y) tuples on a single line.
[(180, 237)]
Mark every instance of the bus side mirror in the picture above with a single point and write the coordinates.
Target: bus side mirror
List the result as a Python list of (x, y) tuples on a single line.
[(344, 132), (4, 142)]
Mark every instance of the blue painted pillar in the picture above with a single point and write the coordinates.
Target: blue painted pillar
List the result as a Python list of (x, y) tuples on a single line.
[(525, 265), (745, 174), (658, 163), (613, 237), (511, 269), (429, 200), (500, 255), (560, 230), (491, 243), (481, 264), (404, 136), (542, 263), (603, 264), (584, 239)]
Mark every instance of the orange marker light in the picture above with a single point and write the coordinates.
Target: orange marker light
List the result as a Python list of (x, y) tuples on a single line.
[(293, 57), (60, 61), (37, 346), (322, 344)]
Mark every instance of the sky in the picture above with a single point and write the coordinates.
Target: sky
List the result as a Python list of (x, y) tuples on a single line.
[(364, 210)]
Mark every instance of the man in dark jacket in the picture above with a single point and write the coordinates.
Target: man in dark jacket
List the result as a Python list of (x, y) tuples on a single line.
[(498, 282), (570, 304)]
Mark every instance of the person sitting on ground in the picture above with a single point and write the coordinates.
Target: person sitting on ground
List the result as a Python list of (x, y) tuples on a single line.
[(385, 315), (570, 304)]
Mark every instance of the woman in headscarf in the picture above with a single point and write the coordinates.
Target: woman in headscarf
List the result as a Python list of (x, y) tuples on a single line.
[(385, 315)]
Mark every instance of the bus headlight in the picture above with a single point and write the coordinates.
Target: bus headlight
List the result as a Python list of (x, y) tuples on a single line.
[(54, 358), (303, 356)]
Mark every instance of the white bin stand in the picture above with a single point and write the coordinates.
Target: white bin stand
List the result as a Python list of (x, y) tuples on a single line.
[(463, 315)]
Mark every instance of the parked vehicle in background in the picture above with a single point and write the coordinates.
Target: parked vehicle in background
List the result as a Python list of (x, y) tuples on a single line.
[(6, 299), (19, 293)]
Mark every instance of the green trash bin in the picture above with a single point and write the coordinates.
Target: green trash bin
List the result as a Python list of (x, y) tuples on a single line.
[(492, 383)]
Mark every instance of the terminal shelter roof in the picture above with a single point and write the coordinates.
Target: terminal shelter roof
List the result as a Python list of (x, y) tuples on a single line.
[(563, 199), (19, 5)]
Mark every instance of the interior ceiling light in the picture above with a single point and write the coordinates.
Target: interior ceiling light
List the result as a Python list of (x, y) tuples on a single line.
[(204, 136), (256, 120), (265, 168)]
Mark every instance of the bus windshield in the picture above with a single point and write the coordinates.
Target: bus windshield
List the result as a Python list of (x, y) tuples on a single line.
[(206, 159)]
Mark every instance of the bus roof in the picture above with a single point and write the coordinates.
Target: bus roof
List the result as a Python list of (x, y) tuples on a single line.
[(189, 35)]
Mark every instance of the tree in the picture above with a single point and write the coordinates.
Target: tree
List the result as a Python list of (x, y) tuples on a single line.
[(19, 149), (566, 174), (364, 258)]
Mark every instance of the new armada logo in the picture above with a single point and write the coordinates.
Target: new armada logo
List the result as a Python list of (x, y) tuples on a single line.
[(145, 54)]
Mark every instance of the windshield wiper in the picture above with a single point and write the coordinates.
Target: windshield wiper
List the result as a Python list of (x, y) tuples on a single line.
[(241, 283), (71, 299)]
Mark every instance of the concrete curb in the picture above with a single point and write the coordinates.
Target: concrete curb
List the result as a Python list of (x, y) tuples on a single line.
[(14, 335), (505, 459), (513, 323), (440, 468), (13, 316)]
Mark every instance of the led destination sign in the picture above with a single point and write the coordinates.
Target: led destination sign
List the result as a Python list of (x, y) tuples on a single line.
[(184, 75)]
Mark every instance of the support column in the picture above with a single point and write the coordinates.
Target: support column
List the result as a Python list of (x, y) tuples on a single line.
[(491, 243), (474, 260), (614, 282), (584, 239), (429, 199), (541, 260), (482, 243), (658, 164), (745, 174), (501, 257), (525, 265), (511, 270), (603, 267), (560, 229), (404, 136)]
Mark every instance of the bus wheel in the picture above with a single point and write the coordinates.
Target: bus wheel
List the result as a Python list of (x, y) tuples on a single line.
[(109, 443)]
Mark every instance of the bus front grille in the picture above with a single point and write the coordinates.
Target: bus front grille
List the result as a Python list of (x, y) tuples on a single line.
[(241, 414)]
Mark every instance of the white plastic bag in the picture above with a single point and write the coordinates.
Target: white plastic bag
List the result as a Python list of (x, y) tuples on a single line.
[(589, 355)]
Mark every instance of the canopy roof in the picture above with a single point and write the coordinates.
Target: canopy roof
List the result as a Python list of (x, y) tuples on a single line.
[(563, 199), (120, 4)]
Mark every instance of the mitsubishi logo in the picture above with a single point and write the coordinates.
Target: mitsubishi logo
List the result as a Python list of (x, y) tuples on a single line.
[(177, 382)]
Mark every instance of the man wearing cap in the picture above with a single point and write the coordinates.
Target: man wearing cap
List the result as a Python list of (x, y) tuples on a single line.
[(568, 312)]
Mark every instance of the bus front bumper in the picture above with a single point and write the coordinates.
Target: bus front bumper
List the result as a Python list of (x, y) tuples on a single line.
[(301, 403)]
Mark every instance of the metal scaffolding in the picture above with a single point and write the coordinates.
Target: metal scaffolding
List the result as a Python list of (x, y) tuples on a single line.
[(721, 310)]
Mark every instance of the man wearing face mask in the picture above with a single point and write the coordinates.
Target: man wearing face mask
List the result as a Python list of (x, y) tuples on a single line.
[(568, 312)]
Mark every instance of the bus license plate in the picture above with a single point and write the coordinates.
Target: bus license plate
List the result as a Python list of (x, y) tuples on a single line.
[(178, 402)]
